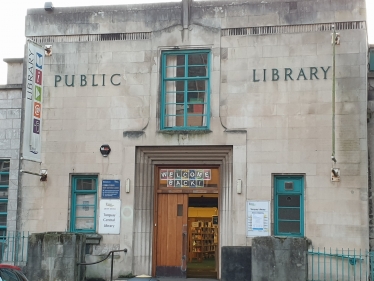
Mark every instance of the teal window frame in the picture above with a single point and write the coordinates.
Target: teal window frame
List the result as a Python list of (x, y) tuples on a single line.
[(371, 60), (3, 171), (74, 205), (280, 192), (186, 79)]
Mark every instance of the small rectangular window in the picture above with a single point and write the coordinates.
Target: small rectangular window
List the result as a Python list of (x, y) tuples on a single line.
[(84, 204), (180, 210), (185, 99), (371, 60), (289, 206)]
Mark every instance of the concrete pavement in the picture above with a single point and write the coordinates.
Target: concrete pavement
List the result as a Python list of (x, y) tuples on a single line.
[(166, 279), (188, 279)]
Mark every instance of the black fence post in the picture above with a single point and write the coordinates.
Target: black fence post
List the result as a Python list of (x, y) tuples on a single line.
[(111, 268)]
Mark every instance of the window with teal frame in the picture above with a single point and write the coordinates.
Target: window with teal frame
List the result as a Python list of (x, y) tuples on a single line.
[(84, 204), (289, 206), (185, 90), (4, 187)]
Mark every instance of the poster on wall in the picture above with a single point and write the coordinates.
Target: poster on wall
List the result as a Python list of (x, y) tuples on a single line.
[(31, 149), (258, 218), (109, 218), (110, 189)]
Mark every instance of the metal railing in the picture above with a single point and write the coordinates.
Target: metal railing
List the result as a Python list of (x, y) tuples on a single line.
[(13, 247), (111, 264), (339, 265)]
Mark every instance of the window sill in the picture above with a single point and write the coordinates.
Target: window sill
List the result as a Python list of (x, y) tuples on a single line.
[(185, 131), (284, 236), (93, 238)]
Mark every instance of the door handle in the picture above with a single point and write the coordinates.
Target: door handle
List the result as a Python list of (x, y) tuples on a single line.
[(184, 248)]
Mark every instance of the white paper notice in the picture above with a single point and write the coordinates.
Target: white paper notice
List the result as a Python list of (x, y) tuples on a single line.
[(258, 218), (258, 221)]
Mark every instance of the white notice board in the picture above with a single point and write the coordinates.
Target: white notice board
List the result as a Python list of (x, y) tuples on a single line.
[(258, 218), (109, 219)]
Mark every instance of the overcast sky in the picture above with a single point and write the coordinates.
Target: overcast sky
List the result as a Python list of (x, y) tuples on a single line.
[(13, 14)]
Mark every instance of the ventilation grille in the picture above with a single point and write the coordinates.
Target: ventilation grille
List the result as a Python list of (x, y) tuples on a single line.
[(288, 185), (225, 32), (292, 28), (92, 37)]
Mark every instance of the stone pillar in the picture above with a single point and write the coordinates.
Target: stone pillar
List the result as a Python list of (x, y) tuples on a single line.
[(54, 256), (279, 259)]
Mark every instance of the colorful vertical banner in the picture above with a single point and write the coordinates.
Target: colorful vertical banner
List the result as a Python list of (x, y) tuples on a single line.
[(31, 149)]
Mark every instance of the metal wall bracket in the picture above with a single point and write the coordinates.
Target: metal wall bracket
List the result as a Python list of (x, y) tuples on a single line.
[(43, 174)]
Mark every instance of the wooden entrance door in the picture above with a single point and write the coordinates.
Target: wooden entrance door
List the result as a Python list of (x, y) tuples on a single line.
[(171, 235)]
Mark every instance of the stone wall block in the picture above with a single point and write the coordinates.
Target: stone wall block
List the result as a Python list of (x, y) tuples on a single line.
[(3, 113), (299, 18), (14, 95), (236, 263), (13, 113), (5, 103), (138, 56), (53, 256), (3, 95), (276, 51), (278, 258), (265, 20), (16, 103)]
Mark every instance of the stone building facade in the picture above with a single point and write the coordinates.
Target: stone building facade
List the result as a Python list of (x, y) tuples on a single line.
[(10, 136), (238, 91)]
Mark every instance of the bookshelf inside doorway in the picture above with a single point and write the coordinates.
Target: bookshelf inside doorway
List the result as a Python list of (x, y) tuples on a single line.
[(203, 240)]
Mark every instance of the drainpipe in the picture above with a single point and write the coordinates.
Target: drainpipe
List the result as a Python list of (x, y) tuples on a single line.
[(333, 93)]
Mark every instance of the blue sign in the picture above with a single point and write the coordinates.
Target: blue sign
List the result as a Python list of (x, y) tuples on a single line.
[(110, 189)]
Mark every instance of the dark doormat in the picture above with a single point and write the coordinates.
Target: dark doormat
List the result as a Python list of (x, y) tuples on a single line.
[(201, 273), (204, 269)]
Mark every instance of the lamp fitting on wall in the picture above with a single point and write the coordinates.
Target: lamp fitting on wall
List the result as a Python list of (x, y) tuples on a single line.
[(239, 186), (43, 174), (127, 187), (48, 50), (335, 174)]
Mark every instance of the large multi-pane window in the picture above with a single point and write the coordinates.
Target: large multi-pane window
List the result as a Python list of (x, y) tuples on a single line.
[(289, 206), (4, 187), (83, 204), (185, 99)]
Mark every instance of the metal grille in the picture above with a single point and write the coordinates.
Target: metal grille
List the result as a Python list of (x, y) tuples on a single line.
[(302, 28), (288, 185), (92, 37), (339, 264), (13, 247)]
